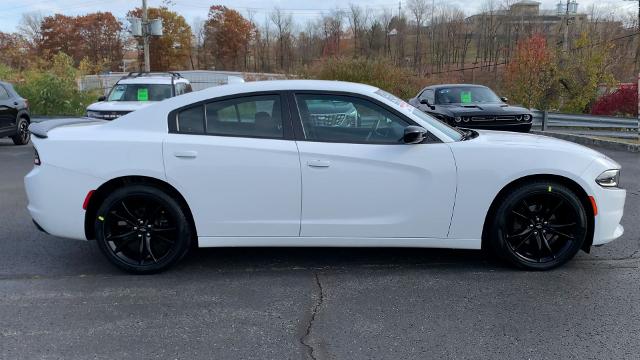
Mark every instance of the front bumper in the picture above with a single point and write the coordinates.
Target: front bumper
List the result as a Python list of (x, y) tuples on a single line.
[(518, 127), (610, 204)]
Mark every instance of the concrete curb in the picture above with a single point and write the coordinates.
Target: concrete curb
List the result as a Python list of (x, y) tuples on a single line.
[(586, 140)]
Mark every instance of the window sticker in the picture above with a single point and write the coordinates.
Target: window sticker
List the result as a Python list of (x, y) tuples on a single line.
[(465, 97), (143, 94)]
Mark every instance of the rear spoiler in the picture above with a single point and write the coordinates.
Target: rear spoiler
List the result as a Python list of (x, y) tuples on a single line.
[(41, 129)]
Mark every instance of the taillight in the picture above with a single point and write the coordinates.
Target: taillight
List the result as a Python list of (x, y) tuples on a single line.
[(36, 158)]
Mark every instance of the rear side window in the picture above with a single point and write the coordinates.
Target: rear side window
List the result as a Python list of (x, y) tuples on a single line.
[(191, 120), (3, 93), (253, 116)]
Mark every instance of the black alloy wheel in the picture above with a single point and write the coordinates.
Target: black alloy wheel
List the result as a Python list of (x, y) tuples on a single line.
[(142, 230), (23, 136), (539, 226)]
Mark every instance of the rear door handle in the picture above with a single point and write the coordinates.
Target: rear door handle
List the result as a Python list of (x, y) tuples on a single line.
[(318, 163), (186, 154)]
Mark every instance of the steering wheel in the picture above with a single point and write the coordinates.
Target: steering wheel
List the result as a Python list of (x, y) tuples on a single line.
[(383, 133)]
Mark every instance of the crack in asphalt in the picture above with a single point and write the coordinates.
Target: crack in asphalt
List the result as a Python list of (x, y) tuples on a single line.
[(304, 340)]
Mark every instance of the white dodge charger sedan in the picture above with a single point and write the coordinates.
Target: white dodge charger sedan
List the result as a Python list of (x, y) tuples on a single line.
[(314, 163)]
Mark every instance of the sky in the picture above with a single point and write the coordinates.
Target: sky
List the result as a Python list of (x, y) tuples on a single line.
[(12, 10)]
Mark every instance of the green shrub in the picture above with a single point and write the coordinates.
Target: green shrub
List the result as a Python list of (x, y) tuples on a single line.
[(379, 73), (52, 90)]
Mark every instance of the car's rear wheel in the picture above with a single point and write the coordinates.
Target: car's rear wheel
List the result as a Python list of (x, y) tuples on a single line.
[(142, 230), (539, 225), (22, 137)]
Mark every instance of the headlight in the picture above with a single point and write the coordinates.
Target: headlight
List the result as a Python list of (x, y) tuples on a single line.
[(94, 114), (526, 117), (466, 118), (458, 119), (519, 117), (609, 178)]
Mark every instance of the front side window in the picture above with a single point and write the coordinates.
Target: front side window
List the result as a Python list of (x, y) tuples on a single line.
[(140, 92), (428, 95), (252, 116), (337, 118), (3, 93)]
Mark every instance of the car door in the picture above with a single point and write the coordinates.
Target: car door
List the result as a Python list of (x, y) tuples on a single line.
[(8, 110), (359, 180), (237, 165)]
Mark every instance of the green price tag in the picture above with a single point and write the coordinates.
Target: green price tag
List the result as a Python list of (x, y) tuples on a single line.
[(143, 94), (465, 97)]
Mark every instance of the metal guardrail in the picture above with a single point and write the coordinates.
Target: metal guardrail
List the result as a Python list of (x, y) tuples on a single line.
[(594, 125)]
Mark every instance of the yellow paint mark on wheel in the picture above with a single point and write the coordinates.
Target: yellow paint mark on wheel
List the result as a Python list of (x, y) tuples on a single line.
[(101, 218), (549, 188)]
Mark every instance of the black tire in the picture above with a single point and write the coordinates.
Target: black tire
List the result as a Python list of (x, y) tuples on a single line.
[(22, 137), (539, 225), (142, 230)]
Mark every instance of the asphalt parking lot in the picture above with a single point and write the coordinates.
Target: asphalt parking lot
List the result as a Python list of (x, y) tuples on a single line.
[(60, 299)]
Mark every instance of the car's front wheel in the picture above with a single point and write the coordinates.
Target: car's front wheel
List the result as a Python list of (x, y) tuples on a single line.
[(22, 136), (142, 230), (539, 225)]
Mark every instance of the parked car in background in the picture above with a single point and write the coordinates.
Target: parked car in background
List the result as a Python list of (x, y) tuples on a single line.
[(14, 115), (472, 106), (314, 163), (136, 91)]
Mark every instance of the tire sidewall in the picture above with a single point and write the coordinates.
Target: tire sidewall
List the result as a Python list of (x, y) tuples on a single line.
[(17, 139), (498, 241), (181, 245)]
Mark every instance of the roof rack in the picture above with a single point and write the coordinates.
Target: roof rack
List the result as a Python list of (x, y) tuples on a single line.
[(135, 74)]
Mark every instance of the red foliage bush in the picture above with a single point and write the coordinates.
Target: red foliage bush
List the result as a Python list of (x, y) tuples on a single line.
[(623, 101)]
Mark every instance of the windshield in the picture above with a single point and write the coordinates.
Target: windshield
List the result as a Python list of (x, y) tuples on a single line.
[(140, 92), (452, 133), (466, 95)]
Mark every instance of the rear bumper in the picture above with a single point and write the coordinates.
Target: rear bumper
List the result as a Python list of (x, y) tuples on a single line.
[(55, 199)]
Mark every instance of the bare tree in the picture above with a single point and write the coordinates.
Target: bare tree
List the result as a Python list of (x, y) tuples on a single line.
[(29, 27), (283, 23), (418, 9)]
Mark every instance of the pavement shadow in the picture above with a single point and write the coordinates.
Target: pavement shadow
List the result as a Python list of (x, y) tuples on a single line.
[(270, 259)]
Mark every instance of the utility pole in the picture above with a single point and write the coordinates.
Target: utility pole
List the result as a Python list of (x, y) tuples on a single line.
[(145, 36), (565, 42)]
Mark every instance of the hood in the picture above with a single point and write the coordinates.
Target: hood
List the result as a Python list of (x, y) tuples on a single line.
[(484, 109), (119, 105), (523, 140)]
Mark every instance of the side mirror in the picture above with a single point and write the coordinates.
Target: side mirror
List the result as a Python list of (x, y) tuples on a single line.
[(102, 98), (426, 102), (504, 99), (414, 134)]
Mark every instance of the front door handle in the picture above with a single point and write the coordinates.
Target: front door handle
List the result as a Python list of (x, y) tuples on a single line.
[(186, 154), (318, 163)]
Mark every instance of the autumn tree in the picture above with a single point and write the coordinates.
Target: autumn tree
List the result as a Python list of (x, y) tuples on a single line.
[(530, 74), (584, 69), (96, 37), (60, 33), (101, 37), (13, 50), (172, 50), (226, 37)]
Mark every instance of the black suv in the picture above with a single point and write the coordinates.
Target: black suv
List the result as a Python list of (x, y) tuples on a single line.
[(472, 106), (14, 115)]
